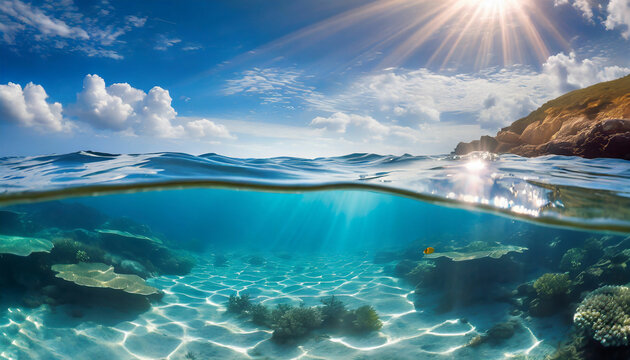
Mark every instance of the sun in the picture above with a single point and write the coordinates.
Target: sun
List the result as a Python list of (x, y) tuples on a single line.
[(492, 4), (446, 32)]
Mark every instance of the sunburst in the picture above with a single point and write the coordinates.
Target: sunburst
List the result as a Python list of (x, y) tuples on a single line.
[(488, 31)]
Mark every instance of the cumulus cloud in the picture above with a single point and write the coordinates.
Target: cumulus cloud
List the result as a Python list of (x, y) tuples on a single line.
[(615, 14), (361, 128), (492, 97), (567, 72), (619, 16), (29, 107), (204, 128), (123, 108)]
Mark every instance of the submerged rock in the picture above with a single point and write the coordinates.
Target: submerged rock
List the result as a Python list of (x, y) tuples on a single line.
[(497, 334)]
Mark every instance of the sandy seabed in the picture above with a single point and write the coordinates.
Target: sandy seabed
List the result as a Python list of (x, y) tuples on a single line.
[(192, 317)]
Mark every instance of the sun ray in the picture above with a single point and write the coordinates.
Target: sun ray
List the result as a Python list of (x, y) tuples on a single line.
[(474, 33)]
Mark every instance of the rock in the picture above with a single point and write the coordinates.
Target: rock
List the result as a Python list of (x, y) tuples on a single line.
[(502, 331), (404, 267), (526, 289), (591, 123)]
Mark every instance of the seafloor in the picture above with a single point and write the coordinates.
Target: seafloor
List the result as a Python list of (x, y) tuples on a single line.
[(191, 321)]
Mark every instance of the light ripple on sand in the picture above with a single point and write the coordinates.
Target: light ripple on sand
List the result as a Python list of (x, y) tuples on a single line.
[(192, 317)]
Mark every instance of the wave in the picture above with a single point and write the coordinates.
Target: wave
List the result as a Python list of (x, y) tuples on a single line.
[(559, 190)]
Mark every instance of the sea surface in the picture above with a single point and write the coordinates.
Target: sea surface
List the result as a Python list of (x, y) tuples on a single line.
[(175, 256)]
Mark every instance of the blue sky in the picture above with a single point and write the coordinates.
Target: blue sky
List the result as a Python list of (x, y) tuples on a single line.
[(300, 78)]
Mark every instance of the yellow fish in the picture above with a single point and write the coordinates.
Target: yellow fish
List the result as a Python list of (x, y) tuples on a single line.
[(428, 251)]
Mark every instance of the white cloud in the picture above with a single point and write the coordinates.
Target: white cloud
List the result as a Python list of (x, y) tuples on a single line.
[(35, 18), (619, 16), (272, 85), (60, 25), (123, 108), (410, 98), (204, 128), (340, 122), (614, 13), (354, 127), (163, 42), (567, 72), (98, 106), (28, 107)]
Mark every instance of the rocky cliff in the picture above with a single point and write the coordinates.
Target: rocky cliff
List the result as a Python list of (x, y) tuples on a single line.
[(590, 122)]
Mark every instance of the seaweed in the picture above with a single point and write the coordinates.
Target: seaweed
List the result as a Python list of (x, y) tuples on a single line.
[(333, 311), (239, 304), (363, 319), (296, 323), (290, 323), (260, 315)]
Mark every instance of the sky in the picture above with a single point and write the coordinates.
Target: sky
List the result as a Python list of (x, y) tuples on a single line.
[(306, 78)]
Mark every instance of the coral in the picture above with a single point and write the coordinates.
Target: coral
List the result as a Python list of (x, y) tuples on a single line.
[(363, 319), (573, 260), (478, 250), (333, 311), (605, 314), (100, 275), (239, 304), (295, 323), (551, 285), (23, 246), (82, 256)]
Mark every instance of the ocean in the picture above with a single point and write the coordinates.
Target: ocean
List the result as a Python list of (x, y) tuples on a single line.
[(363, 256)]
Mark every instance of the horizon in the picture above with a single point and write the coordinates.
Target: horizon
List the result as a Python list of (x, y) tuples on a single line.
[(250, 79)]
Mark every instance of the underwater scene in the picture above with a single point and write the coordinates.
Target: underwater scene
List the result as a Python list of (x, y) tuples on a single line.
[(173, 256)]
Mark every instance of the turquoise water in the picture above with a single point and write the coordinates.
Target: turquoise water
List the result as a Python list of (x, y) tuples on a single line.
[(136, 256)]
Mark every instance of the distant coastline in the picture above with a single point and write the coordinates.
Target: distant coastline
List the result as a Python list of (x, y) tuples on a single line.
[(592, 122)]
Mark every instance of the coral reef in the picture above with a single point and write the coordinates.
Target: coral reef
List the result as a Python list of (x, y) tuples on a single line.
[(82, 256), (465, 275), (573, 260), (605, 314), (551, 285)]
